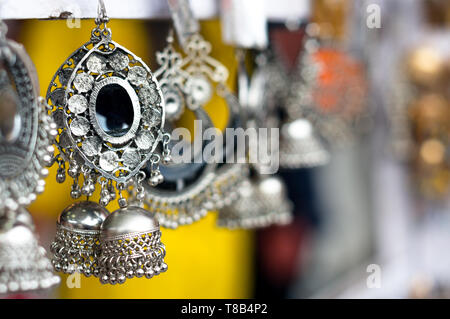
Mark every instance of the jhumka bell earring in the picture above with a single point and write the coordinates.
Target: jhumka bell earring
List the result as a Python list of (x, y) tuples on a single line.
[(110, 115), (330, 93), (300, 143), (26, 135), (263, 200)]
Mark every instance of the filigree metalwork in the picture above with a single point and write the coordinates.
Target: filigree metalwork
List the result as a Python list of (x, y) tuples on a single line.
[(74, 93)]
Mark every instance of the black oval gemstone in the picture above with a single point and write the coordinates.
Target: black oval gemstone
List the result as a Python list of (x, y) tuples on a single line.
[(114, 110)]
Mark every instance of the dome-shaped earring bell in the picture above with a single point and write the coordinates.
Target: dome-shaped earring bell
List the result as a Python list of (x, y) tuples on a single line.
[(300, 147), (273, 197), (263, 202), (24, 265), (76, 247), (131, 246), (244, 211)]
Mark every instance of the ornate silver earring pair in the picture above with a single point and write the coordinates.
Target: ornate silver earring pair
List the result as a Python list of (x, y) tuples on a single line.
[(110, 115), (26, 134)]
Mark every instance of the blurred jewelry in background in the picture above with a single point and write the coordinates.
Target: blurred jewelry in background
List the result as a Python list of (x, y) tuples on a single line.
[(331, 92), (421, 101), (263, 200), (26, 137)]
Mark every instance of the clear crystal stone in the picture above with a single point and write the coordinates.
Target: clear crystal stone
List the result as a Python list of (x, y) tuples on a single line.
[(137, 75), (108, 161), (119, 61), (77, 104), (83, 82), (92, 146), (151, 117), (148, 94), (144, 139), (79, 126), (95, 64), (131, 157)]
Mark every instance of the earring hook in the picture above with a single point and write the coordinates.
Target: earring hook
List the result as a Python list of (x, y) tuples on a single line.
[(101, 13)]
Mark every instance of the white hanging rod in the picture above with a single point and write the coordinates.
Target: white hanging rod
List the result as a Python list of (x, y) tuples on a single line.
[(277, 10)]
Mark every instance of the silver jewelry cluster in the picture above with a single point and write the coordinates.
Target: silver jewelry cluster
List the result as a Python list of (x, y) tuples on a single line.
[(88, 236)]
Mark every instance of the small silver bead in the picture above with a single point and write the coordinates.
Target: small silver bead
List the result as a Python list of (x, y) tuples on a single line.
[(140, 272), (122, 202), (140, 196), (149, 274), (61, 176), (104, 201), (86, 190), (160, 178), (153, 181), (73, 171), (75, 193), (44, 172), (166, 159)]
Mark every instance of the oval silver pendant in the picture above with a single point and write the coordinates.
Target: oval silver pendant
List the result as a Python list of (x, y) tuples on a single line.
[(103, 95)]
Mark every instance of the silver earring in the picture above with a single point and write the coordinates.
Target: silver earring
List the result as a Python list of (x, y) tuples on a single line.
[(263, 200), (204, 71), (183, 197), (339, 122), (110, 114), (299, 145), (26, 134)]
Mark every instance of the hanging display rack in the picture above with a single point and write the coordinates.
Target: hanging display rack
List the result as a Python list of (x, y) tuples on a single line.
[(136, 9)]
